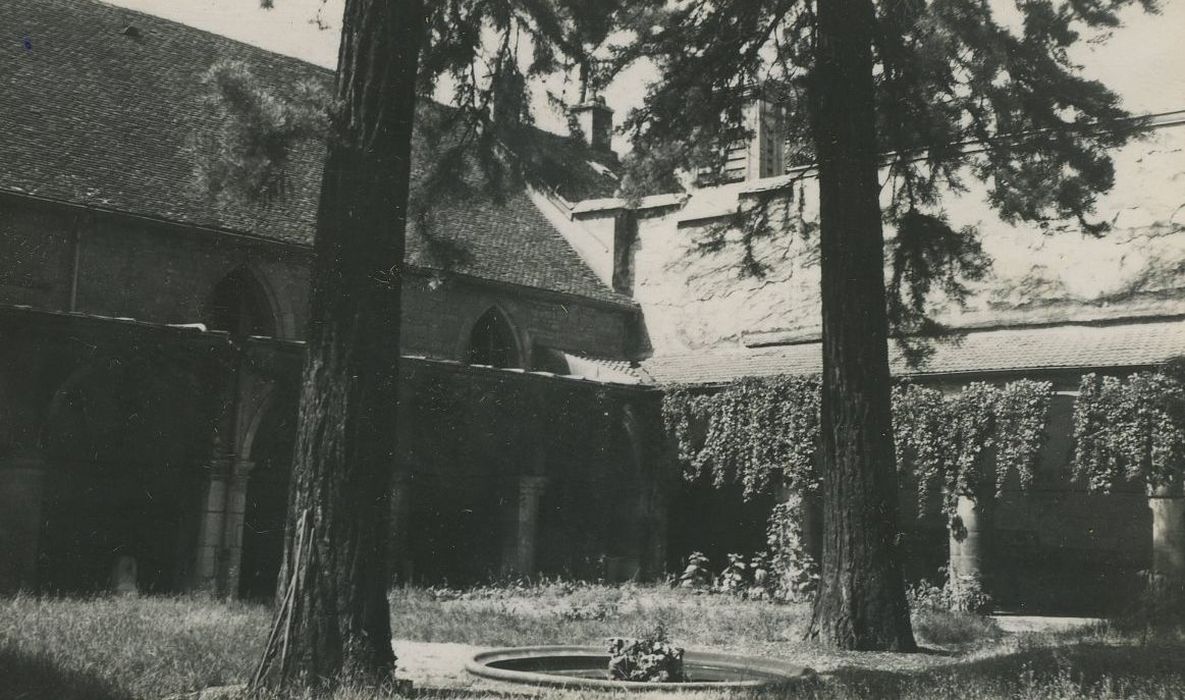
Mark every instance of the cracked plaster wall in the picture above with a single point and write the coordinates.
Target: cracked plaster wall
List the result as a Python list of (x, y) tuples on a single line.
[(693, 299)]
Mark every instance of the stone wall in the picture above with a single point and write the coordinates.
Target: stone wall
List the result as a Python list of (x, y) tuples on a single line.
[(173, 447), (439, 316), (694, 298), (72, 259)]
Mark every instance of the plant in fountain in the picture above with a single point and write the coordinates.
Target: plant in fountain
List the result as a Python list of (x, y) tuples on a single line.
[(969, 444), (648, 659), (1133, 431)]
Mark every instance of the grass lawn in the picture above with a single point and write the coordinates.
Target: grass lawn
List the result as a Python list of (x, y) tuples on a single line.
[(124, 648)]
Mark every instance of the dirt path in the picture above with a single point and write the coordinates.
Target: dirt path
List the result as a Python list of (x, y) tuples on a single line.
[(1016, 624), (438, 665)]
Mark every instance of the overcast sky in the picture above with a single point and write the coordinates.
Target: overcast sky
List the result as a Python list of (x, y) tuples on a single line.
[(1144, 60)]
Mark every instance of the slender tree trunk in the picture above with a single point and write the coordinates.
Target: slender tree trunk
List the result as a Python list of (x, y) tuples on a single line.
[(861, 601), (332, 619)]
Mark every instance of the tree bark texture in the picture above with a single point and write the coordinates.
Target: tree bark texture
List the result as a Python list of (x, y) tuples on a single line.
[(861, 601), (332, 620)]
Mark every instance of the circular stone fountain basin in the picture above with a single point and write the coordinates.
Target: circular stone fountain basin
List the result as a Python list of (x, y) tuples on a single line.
[(587, 667)]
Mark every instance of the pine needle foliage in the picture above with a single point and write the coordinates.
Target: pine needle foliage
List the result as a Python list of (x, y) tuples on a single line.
[(960, 91), (491, 53)]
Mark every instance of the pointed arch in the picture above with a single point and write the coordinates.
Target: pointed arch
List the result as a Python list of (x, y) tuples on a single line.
[(241, 305), (493, 341)]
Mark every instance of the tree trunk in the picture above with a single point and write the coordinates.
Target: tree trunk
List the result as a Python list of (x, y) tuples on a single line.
[(332, 621), (861, 601)]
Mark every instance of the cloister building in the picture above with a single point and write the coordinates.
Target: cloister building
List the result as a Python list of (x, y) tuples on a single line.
[(150, 338)]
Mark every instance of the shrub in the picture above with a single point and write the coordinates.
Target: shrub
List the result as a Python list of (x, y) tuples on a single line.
[(794, 572), (952, 628), (966, 596), (697, 574)]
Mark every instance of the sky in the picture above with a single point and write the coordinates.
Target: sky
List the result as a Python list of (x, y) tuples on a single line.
[(1144, 61)]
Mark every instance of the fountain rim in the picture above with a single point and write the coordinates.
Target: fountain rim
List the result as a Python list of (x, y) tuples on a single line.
[(787, 672)]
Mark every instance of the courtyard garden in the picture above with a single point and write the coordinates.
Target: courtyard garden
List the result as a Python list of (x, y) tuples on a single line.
[(117, 648)]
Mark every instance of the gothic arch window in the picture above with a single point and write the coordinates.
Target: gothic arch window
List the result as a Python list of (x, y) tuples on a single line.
[(492, 341), (239, 306)]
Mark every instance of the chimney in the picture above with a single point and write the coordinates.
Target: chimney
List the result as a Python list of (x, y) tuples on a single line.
[(763, 155), (592, 121)]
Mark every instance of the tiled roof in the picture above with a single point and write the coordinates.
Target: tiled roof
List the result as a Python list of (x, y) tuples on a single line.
[(96, 116), (601, 368), (1134, 344)]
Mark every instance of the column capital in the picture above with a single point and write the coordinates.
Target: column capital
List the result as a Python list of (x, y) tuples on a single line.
[(241, 467), (531, 483)]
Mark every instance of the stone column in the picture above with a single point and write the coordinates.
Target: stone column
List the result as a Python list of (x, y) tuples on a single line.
[(211, 532), (810, 519), (968, 529), (530, 488), (399, 552), (232, 533), (22, 479), (1168, 534), (656, 567)]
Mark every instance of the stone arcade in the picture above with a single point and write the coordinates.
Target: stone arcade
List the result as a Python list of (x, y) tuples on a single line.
[(150, 343)]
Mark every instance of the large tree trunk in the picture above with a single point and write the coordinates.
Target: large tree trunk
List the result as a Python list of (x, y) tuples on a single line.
[(332, 620), (861, 601)]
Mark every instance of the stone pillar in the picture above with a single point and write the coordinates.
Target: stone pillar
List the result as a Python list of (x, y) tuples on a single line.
[(968, 547), (232, 532), (656, 566), (810, 519), (399, 552), (1168, 534), (530, 489), (22, 480), (211, 532)]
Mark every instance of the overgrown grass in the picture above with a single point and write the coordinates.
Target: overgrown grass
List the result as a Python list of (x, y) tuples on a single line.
[(125, 648), (570, 613), (116, 647)]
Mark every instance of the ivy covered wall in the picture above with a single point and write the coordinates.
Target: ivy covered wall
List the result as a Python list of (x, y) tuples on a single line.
[(1055, 545)]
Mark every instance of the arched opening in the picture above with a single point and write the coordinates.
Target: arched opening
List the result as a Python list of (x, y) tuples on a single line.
[(266, 509), (123, 481), (239, 305), (492, 341)]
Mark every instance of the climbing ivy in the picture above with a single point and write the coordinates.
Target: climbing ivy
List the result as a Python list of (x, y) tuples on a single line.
[(946, 439), (793, 566), (757, 432), (1129, 430), (758, 429)]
